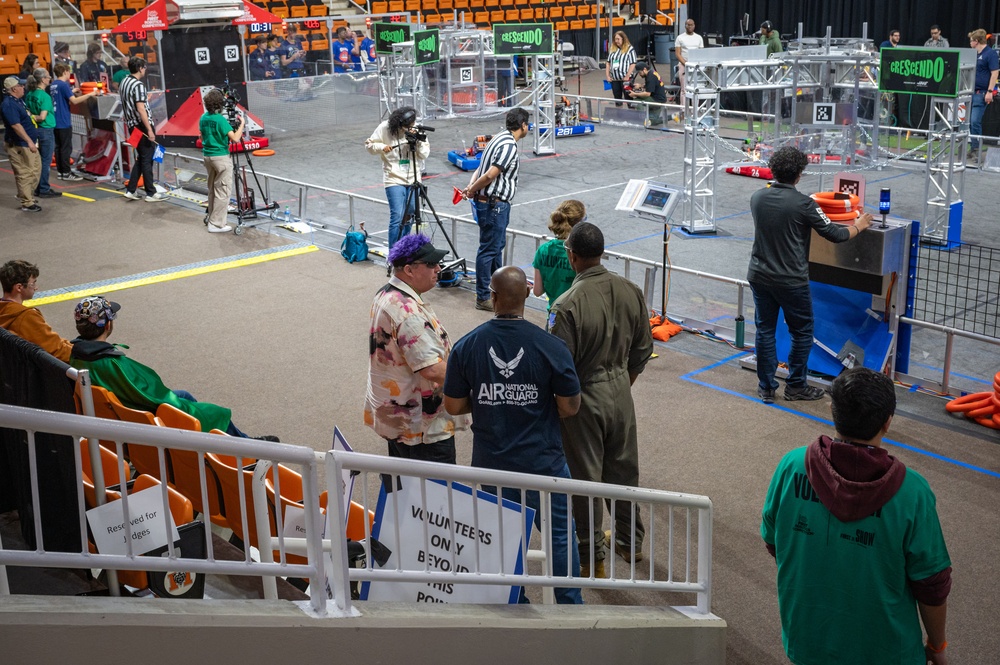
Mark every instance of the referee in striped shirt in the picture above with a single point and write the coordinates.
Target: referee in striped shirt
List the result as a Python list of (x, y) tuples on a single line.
[(491, 190), (133, 96)]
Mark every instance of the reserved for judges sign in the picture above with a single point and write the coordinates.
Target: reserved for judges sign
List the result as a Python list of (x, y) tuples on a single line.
[(450, 535), (148, 532)]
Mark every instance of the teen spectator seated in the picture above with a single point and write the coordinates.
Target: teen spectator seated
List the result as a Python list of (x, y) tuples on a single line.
[(134, 384), (19, 280)]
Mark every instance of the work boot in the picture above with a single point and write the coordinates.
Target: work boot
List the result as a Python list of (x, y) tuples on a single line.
[(599, 572), (624, 551)]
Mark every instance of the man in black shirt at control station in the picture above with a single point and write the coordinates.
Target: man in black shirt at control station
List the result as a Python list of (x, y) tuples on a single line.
[(652, 91), (783, 220)]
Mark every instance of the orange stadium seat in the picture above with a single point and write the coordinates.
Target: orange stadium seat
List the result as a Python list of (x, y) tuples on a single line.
[(496, 16), (576, 25), (461, 5), (444, 5), (583, 11), (113, 5), (397, 6), (380, 7), (413, 6), (562, 25), (88, 7), (569, 11), (481, 18), (556, 12), (512, 15), (318, 10)]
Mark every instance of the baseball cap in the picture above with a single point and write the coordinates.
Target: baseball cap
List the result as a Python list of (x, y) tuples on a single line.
[(641, 65), (415, 249), (12, 81), (96, 309)]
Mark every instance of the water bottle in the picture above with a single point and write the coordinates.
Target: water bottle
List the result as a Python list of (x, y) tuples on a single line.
[(288, 214), (465, 149)]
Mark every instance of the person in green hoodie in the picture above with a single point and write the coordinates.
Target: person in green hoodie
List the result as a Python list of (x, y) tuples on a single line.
[(861, 558), (134, 384)]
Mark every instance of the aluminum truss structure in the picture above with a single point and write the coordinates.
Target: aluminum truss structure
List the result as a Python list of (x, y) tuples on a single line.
[(544, 91), (944, 181), (405, 83), (701, 142), (843, 71)]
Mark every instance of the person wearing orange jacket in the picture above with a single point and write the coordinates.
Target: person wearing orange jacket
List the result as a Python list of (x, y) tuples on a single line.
[(19, 280)]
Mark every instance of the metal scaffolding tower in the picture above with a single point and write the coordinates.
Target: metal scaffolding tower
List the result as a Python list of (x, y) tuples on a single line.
[(543, 83), (701, 117)]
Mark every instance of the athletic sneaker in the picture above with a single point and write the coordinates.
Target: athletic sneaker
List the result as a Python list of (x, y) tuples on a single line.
[(34, 207), (69, 176), (212, 228), (132, 196), (485, 305), (153, 198), (806, 393), (49, 194), (766, 395)]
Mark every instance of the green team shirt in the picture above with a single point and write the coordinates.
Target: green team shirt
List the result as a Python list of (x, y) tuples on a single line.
[(119, 76), (773, 43), (557, 275), (39, 100), (214, 129), (842, 587)]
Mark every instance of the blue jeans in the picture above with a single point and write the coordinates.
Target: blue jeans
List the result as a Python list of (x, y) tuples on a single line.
[(493, 222), (232, 430), (46, 146), (976, 118), (560, 539), (397, 195), (796, 304)]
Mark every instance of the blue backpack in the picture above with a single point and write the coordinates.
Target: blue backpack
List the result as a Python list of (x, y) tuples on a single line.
[(355, 245)]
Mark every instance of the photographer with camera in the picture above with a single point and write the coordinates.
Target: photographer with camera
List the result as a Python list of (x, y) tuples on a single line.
[(652, 91), (403, 147), (217, 130)]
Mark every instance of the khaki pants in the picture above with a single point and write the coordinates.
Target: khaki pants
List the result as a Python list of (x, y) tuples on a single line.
[(220, 186), (27, 167)]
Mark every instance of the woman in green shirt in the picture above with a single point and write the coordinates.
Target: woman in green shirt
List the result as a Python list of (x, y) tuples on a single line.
[(553, 274), (39, 104), (216, 133)]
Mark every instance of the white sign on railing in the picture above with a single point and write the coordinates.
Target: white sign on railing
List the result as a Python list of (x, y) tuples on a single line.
[(148, 532), (451, 542)]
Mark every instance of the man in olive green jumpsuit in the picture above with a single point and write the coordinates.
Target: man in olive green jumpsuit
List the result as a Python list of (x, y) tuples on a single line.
[(603, 320)]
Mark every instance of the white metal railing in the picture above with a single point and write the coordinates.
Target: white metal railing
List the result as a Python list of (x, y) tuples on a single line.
[(32, 421), (680, 560)]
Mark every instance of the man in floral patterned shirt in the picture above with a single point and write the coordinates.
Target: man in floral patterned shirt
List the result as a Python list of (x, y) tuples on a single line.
[(409, 350)]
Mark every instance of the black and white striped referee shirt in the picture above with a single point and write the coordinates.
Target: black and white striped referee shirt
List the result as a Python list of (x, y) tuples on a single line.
[(132, 91), (501, 152)]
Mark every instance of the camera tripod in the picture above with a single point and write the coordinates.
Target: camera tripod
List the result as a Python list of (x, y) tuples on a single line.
[(246, 207), (417, 196)]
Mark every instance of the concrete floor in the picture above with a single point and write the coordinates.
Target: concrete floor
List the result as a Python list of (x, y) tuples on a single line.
[(284, 343)]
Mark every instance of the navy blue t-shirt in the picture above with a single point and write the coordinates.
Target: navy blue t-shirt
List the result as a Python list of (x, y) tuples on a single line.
[(986, 62), (510, 369), (15, 113), (61, 94)]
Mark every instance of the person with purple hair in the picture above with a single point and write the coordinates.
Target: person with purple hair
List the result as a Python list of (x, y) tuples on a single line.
[(408, 353)]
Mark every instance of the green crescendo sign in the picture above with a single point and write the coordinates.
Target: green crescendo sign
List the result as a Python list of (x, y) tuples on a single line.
[(929, 68)]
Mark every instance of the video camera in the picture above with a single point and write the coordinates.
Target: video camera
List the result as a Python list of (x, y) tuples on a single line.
[(229, 105), (417, 133)]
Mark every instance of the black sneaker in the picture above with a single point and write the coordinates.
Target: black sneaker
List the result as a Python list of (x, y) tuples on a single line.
[(267, 437), (766, 395), (34, 207), (49, 194), (805, 394)]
